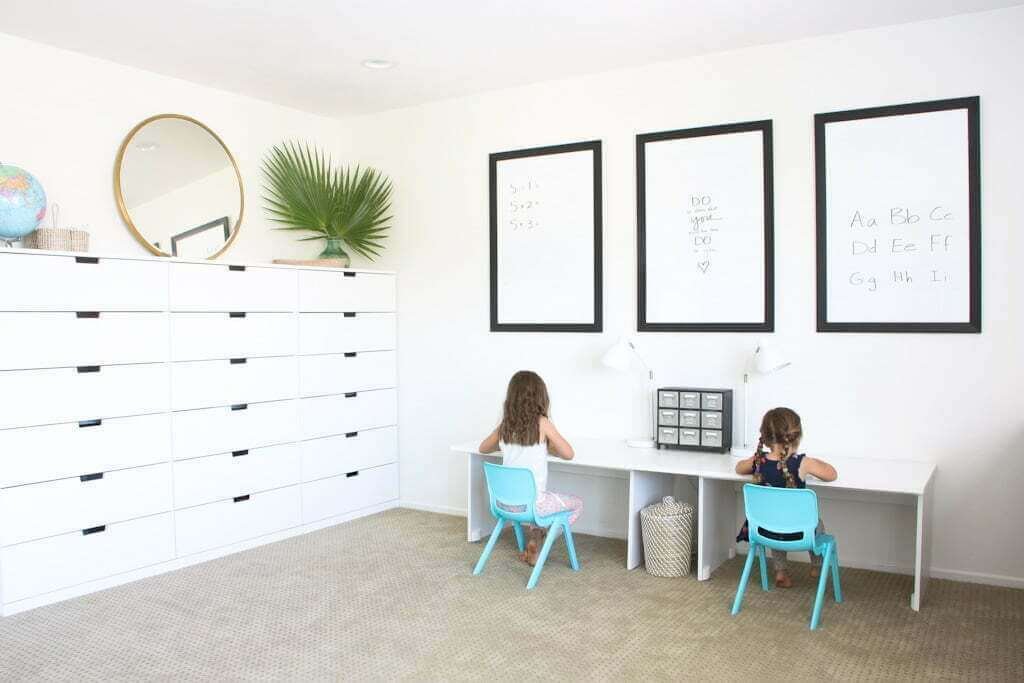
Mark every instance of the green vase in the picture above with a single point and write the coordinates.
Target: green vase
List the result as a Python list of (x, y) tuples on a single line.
[(335, 251)]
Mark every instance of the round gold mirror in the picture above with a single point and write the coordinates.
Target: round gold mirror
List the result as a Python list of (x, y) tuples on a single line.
[(178, 188)]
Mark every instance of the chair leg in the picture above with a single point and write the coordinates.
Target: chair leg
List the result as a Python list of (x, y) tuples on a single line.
[(819, 598), (486, 554), (570, 547), (542, 557), (837, 590), (763, 567), (520, 541), (743, 579)]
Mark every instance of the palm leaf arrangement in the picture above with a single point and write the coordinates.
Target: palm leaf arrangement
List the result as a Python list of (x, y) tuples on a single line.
[(343, 206)]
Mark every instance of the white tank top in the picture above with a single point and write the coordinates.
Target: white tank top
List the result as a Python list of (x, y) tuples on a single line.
[(533, 458)]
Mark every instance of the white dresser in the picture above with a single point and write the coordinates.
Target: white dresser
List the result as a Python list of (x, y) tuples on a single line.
[(156, 413)]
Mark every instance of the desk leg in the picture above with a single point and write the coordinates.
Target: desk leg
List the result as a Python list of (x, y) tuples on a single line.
[(923, 547), (479, 522), (716, 524), (644, 488)]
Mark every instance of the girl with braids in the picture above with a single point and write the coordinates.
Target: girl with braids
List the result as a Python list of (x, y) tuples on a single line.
[(526, 437), (780, 465)]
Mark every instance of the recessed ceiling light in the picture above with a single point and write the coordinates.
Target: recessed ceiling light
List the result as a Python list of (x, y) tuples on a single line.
[(378, 63)]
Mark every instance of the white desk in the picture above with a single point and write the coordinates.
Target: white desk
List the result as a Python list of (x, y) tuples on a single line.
[(652, 475)]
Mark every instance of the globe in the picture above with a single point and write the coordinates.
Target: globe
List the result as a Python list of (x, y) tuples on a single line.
[(22, 203)]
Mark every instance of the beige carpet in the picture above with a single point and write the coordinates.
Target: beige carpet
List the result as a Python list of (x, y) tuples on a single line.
[(391, 597)]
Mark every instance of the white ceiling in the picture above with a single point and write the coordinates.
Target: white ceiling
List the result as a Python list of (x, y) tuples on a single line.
[(308, 53)]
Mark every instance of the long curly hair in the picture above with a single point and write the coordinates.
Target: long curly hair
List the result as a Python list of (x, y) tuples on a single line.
[(526, 401), (779, 427)]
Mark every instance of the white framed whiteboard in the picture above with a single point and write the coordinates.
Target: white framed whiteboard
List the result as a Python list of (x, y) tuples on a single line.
[(899, 218), (705, 229), (545, 233)]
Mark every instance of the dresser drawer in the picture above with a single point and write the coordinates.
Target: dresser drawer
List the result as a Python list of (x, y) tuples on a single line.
[(689, 437), (31, 569), (338, 332), (38, 397), (711, 420), (689, 418), (668, 399), (349, 492), (337, 291), (227, 475), (669, 418), (338, 373), (67, 339), (221, 287), (207, 336), (56, 507), (33, 454), (231, 428), (81, 283), (334, 455), (207, 383), (340, 414), (229, 521)]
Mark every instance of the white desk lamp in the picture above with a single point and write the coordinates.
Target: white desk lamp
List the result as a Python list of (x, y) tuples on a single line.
[(765, 360), (620, 357)]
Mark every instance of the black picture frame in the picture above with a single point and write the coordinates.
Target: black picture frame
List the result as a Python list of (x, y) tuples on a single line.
[(593, 146), (223, 221), (972, 107), (768, 322)]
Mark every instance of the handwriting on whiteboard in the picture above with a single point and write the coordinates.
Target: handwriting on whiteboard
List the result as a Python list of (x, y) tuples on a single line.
[(524, 204), (903, 234), (701, 217)]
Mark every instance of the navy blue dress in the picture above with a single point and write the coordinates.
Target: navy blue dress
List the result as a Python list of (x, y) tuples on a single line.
[(773, 473)]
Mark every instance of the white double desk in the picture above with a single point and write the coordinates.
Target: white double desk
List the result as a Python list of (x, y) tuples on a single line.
[(652, 475)]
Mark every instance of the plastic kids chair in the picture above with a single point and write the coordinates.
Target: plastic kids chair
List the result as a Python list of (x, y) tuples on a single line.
[(786, 519), (513, 494)]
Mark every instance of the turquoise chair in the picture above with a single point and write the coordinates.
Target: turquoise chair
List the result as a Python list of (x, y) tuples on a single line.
[(786, 519), (515, 490)]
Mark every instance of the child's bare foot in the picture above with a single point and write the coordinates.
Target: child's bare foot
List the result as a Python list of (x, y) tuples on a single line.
[(782, 580), (815, 572), (529, 556)]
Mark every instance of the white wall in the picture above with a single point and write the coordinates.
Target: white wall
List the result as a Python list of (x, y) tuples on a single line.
[(64, 115), (954, 400)]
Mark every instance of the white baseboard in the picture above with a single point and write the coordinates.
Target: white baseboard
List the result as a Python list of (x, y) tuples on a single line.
[(427, 507), (182, 562), (936, 573)]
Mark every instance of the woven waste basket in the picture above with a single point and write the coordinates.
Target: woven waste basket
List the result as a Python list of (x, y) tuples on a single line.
[(668, 537)]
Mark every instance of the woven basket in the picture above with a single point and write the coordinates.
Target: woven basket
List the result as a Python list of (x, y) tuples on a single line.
[(668, 537), (54, 239)]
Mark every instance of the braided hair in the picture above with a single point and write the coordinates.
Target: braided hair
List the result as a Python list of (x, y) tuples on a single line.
[(779, 427)]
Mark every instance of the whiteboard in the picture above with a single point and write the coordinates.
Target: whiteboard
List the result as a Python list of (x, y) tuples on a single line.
[(545, 239), (704, 215), (897, 223)]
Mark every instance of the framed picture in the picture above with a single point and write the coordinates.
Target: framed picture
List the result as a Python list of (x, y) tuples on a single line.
[(201, 241), (545, 230), (705, 258), (899, 218)]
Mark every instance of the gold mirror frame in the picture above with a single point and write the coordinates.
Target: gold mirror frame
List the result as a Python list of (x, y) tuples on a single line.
[(122, 208)]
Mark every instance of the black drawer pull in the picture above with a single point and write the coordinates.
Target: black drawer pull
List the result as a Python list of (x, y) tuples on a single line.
[(236, 314), (351, 394), (90, 423), (87, 314), (349, 315), (91, 477), (83, 369), (241, 499), (349, 274), (239, 361), (350, 354), (237, 269), (349, 435), (240, 406), (351, 474), (94, 530), (86, 259), (238, 454)]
